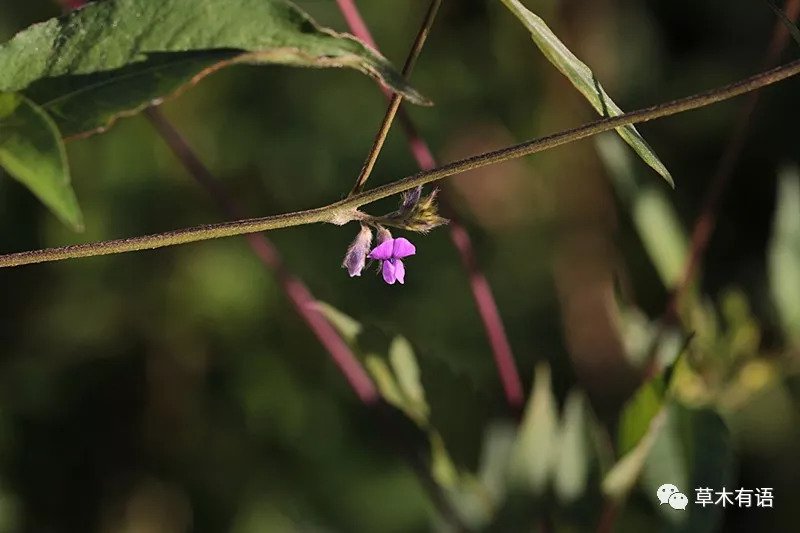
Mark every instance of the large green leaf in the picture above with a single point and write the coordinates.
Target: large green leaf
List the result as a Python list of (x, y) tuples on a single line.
[(585, 81), (116, 57), (31, 151)]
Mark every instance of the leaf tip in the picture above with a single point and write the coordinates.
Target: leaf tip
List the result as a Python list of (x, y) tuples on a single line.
[(668, 177)]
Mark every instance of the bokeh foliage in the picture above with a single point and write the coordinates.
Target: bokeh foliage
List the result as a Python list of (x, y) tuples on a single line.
[(176, 390)]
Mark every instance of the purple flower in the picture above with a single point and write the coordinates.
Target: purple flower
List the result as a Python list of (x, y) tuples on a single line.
[(390, 252), (356, 255)]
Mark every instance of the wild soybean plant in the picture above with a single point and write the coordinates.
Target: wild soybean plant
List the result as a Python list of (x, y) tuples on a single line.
[(42, 88)]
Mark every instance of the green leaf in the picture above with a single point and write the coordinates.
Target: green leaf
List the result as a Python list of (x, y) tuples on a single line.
[(711, 461), (584, 80), (639, 412), (386, 383), (623, 476), (31, 150), (349, 328), (641, 430), (443, 470), (653, 214), (667, 463), (404, 365), (498, 443), (537, 441), (574, 455), (784, 254), (116, 57)]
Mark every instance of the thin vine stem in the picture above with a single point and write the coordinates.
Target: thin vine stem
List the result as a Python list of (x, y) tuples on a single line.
[(479, 286), (396, 99), (346, 210), (706, 222)]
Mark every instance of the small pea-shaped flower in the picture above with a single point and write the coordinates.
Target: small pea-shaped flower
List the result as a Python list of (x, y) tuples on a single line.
[(390, 253)]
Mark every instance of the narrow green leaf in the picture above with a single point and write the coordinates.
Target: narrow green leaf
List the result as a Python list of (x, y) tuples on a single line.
[(582, 77), (784, 254), (622, 477), (31, 150), (653, 214), (404, 365), (536, 446), (115, 57), (650, 399), (639, 412), (385, 381), (443, 469), (349, 328), (574, 453), (498, 443)]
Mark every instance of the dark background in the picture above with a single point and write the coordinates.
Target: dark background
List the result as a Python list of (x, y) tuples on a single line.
[(178, 390)]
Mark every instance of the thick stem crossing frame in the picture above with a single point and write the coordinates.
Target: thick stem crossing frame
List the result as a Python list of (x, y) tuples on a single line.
[(346, 210)]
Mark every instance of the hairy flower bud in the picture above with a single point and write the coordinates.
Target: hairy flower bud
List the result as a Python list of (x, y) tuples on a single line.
[(410, 199), (356, 257), (418, 213), (383, 234)]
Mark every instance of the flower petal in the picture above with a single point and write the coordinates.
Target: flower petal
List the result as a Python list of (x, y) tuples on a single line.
[(383, 251), (400, 271), (389, 272), (403, 248)]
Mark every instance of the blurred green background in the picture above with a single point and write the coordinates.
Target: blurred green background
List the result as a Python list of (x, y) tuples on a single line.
[(177, 390)]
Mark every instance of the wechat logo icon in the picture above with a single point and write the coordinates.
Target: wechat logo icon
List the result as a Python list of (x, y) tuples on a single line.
[(669, 494)]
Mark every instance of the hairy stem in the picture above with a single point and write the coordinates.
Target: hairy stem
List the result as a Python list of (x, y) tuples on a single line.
[(479, 285), (346, 210), (304, 302), (396, 99)]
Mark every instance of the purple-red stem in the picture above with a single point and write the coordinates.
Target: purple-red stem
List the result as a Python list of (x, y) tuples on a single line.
[(298, 294), (707, 221), (481, 291)]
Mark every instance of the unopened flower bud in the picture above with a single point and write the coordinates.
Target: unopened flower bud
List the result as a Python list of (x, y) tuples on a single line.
[(356, 257)]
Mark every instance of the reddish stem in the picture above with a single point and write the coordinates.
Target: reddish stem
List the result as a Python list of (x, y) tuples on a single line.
[(608, 517), (481, 291), (298, 294), (69, 5), (706, 222)]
